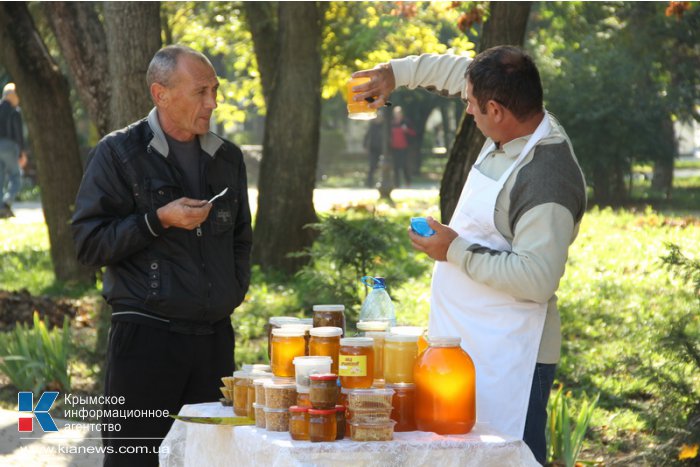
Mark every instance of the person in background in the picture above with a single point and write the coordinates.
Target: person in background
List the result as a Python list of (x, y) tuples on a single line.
[(374, 145), (176, 265), (12, 153), (400, 134), (500, 260)]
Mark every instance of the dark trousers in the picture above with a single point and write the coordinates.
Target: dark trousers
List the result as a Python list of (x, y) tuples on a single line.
[(536, 421), (155, 368), (400, 159), (373, 164)]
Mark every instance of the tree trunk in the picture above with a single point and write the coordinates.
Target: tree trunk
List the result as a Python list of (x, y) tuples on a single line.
[(290, 144), (43, 91), (132, 30), (81, 37), (505, 26), (261, 18), (662, 179)]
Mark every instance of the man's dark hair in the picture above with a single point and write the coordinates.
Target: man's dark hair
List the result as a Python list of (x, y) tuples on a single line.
[(509, 76)]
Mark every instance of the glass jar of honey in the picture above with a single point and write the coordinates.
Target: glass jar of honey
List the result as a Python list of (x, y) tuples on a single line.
[(445, 388), (299, 423), (287, 343), (303, 399), (325, 341), (323, 391), (340, 422), (378, 346), (322, 425), (403, 404), (400, 353), (302, 327), (356, 362), (274, 323), (241, 381), (329, 315)]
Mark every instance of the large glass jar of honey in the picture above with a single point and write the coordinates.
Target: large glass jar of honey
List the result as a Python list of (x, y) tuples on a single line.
[(356, 362), (325, 341), (400, 351), (287, 343), (329, 315), (445, 388)]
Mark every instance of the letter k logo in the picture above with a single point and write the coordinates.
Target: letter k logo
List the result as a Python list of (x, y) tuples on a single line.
[(25, 403)]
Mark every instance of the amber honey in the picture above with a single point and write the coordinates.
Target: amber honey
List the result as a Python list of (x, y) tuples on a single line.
[(299, 423), (329, 315), (378, 346), (445, 388), (403, 405), (322, 425), (325, 341), (359, 110), (286, 344), (356, 362), (400, 353)]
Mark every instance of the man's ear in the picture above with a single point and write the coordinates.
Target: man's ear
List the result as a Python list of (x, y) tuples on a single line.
[(159, 94), (496, 111)]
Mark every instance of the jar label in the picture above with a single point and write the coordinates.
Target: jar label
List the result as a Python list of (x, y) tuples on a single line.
[(352, 365)]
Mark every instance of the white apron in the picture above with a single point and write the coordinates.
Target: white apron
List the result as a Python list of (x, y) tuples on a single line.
[(502, 335)]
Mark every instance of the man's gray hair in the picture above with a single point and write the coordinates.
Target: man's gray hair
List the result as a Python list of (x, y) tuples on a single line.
[(8, 89), (164, 63)]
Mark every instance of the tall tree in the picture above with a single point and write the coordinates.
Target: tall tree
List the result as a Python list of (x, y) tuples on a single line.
[(81, 38), (132, 30), (44, 94), (290, 144), (506, 26)]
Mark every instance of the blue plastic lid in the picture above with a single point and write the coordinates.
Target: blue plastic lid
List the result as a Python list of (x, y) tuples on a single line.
[(420, 226), (374, 282)]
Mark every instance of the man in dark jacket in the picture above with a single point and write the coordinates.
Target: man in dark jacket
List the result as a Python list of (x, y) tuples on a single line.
[(177, 265), (11, 149)]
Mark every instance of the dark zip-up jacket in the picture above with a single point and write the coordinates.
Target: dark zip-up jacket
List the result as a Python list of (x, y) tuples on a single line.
[(199, 275)]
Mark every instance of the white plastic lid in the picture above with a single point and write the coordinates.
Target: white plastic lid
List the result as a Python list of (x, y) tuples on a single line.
[(306, 321), (280, 320), (303, 389), (372, 392), (311, 360), (303, 327), (288, 332), (376, 334), (269, 410), (247, 367), (357, 341), (326, 331), (258, 406), (278, 385), (407, 330), (401, 338), (240, 374), (329, 308), (260, 381), (262, 367), (372, 325), (444, 341)]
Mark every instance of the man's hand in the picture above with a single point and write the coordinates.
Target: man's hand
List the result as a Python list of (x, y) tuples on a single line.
[(436, 245), (380, 86), (184, 213)]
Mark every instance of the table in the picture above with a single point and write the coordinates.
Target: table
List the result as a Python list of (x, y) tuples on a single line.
[(190, 444)]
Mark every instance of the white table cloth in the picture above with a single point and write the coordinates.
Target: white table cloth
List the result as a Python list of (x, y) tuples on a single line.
[(190, 444)]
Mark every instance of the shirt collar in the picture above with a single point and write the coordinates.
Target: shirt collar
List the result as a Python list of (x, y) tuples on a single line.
[(209, 142), (514, 147)]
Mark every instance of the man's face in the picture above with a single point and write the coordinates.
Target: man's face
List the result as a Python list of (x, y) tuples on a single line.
[(482, 120), (189, 101)]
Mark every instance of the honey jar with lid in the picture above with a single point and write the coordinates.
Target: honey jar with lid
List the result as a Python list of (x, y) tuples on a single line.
[(299, 423), (287, 343), (356, 362), (445, 388), (325, 341), (329, 315), (322, 425)]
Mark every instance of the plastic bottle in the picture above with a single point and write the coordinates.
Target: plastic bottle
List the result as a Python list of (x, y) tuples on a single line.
[(377, 306)]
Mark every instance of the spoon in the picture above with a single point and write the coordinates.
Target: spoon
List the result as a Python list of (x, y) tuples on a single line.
[(223, 192)]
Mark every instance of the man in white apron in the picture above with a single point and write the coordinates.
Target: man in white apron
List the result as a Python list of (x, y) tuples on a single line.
[(499, 262)]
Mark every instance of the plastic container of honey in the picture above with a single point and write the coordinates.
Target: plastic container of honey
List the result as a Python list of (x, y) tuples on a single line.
[(356, 362), (325, 341), (400, 351), (299, 423), (403, 406), (287, 343), (241, 381), (445, 388), (310, 365), (329, 315), (322, 425)]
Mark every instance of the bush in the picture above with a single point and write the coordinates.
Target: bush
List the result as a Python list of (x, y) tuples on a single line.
[(34, 358)]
